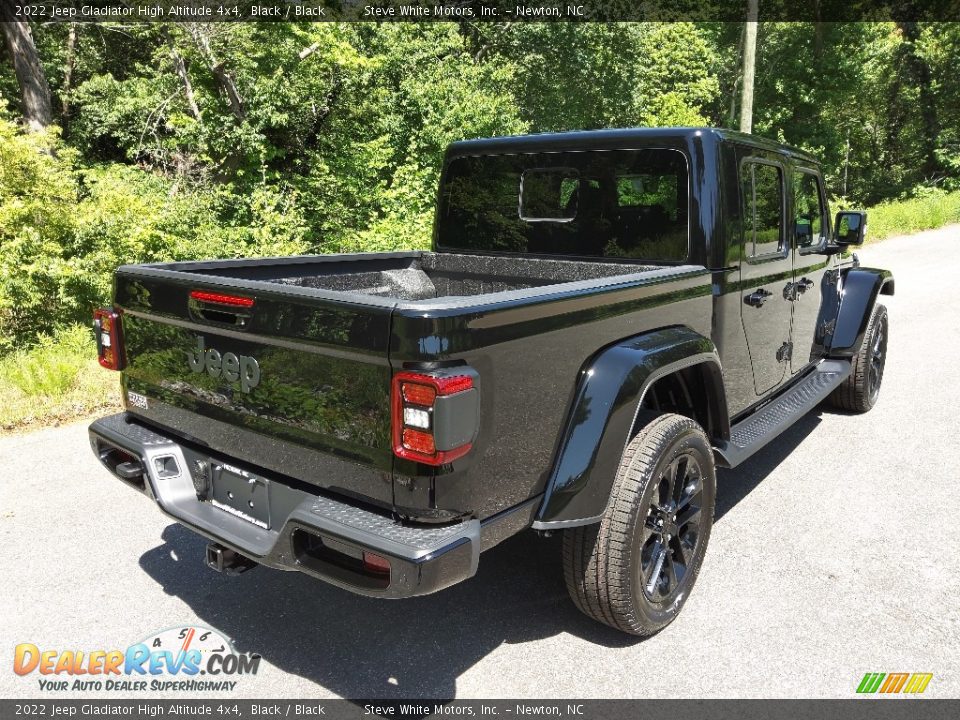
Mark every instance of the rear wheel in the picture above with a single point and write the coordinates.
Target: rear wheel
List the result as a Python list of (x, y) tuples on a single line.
[(859, 392), (635, 569)]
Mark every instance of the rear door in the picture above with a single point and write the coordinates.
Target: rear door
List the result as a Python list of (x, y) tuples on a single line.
[(296, 384), (766, 268)]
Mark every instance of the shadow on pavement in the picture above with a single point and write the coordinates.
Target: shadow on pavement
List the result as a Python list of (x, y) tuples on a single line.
[(734, 485), (359, 647)]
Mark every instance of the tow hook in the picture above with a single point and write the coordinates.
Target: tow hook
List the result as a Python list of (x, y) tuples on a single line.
[(227, 561)]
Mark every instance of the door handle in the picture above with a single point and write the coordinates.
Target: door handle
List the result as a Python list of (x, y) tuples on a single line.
[(758, 298)]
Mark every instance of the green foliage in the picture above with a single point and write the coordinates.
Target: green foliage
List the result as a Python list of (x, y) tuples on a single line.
[(50, 367), (37, 200), (64, 228), (425, 92), (566, 76), (56, 380), (939, 46), (932, 209), (120, 118), (677, 76)]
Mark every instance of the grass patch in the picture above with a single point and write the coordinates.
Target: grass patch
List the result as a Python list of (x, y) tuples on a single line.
[(57, 381), (902, 217)]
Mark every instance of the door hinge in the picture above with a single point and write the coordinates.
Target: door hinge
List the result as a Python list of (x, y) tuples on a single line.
[(785, 352)]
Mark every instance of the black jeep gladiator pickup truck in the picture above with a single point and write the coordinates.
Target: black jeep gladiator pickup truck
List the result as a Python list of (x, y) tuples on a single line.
[(604, 317)]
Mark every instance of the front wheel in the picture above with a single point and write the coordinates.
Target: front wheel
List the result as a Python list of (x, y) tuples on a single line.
[(859, 392), (635, 569)]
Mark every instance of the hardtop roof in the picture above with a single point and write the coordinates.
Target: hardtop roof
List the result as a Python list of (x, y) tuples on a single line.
[(618, 138)]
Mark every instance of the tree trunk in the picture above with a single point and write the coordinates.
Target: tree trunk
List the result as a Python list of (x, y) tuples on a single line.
[(749, 67), (738, 76), (68, 68), (34, 91), (180, 67), (218, 68)]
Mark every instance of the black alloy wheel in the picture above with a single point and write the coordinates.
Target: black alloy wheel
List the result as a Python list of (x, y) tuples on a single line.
[(672, 529)]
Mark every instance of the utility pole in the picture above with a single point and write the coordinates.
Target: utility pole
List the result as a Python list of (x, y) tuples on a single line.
[(846, 164), (749, 66)]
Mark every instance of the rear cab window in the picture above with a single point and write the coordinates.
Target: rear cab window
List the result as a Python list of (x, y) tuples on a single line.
[(630, 204)]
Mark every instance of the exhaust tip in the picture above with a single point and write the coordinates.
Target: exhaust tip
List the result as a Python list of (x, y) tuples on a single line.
[(227, 561), (132, 470), (122, 464)]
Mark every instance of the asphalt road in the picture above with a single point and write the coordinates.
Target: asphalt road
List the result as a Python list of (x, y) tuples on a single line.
[(835, 553)]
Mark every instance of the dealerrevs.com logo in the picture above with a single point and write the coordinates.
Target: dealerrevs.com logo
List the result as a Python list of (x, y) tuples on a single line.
[(188, 659)]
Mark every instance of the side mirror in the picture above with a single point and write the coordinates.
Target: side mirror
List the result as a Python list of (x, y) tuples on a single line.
[(850, 228)]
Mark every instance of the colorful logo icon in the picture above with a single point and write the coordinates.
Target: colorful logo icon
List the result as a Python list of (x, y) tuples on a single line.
[(171, 659), (890, 683)]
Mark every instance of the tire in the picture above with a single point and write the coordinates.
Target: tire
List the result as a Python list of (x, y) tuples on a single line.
[(609, 567), (859, 392)]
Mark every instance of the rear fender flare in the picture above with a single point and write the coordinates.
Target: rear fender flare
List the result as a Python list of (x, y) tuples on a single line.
[(609, 394), (860, 289)]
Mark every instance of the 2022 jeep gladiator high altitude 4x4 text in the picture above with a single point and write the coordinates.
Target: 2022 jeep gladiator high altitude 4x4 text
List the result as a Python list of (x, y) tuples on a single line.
[(604, 317)]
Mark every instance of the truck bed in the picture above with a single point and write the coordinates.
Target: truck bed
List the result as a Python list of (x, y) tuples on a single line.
[(413, 277), (328, 333)]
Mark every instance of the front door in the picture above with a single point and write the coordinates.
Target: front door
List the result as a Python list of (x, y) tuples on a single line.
[(811, 228), (766, 270)]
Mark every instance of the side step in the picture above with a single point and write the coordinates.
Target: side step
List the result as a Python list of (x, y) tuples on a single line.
[(755, 431)]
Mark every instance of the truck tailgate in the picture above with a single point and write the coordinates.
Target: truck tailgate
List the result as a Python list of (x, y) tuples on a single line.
[(298, 385)]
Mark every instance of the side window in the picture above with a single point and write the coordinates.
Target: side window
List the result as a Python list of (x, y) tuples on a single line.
[(762, 188), (808, 209)]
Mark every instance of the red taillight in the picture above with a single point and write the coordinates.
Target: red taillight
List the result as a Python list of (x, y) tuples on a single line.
[(109, 332), (221, 299), (434, 416), (418, 441), (418, 394), (454, 384)]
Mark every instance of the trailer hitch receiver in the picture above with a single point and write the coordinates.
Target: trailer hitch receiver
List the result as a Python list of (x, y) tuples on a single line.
[(227, 561)]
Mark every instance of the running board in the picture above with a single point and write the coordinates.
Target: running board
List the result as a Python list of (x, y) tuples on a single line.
[(755, 431)]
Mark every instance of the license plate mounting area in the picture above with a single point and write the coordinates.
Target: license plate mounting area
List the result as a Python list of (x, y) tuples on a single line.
[(241, 493)]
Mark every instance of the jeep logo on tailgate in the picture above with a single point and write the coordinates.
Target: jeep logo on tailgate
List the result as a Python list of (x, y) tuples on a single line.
[(228, 365)]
